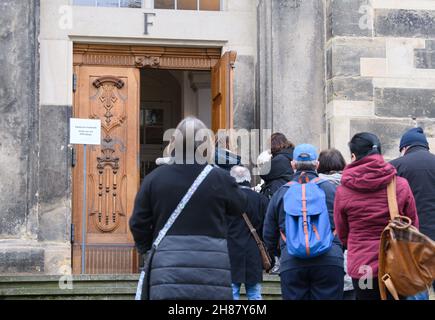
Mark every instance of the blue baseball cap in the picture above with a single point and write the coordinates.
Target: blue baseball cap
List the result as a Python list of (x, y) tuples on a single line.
[(305, 152)]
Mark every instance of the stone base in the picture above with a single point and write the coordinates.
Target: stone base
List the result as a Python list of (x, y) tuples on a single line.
[(19, 257)]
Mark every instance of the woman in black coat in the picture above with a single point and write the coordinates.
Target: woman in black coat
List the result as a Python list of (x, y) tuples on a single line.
[(281, 171), (192, 261), (245, 258)]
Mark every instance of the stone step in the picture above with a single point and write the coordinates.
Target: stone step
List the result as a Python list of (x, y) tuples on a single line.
[(95, 287)]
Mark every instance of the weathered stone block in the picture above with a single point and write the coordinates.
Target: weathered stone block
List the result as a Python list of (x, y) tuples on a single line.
[(357, 89), (55, 170), (350, 18), (328, 19), (404, 23), (55, 221), (58, 260), (54, 160), (244, 93), (344, 55), (298, 69), (22, 261), (389, 132), (425, 58), (405, 102)]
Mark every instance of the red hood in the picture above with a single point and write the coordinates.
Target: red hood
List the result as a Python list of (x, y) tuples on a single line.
[(371, 173)]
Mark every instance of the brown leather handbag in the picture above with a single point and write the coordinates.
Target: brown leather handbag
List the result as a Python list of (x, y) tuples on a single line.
[(406, 256), (265, 258)]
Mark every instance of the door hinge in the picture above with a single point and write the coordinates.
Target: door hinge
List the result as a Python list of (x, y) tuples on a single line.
[(73, 157), (74, 83), (72, 232)]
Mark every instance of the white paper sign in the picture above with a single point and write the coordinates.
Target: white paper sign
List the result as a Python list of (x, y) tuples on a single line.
[(85, 131)]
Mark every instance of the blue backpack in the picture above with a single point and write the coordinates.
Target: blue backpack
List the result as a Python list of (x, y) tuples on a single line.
[(308, 230)]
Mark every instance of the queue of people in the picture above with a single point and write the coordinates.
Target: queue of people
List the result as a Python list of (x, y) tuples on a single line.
[(320, 219)]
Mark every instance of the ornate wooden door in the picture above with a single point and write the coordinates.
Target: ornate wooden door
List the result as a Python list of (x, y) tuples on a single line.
[(112, 95), (222, 75)]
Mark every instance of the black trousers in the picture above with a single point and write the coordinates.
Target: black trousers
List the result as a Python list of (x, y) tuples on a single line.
[(313, 283)]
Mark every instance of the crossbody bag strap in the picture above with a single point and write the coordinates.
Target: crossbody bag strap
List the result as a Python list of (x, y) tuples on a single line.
[(249, 224), (182, 205), (251, 228), (392, 199)]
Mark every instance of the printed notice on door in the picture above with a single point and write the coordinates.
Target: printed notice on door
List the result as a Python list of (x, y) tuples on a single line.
[(85, 131)]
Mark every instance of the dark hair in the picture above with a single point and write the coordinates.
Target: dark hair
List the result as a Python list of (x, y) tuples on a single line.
[(331, 160), (279, 142), (365, 144)]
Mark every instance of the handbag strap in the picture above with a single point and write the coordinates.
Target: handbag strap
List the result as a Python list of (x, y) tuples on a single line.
[(182, 205), (251, 228), (249, 224), (392, 199)]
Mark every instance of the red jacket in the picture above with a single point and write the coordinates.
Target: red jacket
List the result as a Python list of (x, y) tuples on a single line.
[(361, 210)]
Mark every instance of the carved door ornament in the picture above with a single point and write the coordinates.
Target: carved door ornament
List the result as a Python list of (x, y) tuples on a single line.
[(108, 207), (147, 62)]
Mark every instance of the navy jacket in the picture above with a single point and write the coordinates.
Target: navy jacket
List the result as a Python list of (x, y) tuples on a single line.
[(418, 167), (275, 221), (246, 265)]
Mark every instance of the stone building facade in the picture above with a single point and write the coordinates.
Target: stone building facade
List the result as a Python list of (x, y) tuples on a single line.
[(317, 70)]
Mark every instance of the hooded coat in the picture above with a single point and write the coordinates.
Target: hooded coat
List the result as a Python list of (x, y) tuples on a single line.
[(361, 210), (280, 173)]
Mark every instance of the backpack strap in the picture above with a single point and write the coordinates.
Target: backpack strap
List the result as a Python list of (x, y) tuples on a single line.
[(283, 236), (303, 175), (291, 183), (304, 213), (392, 200), (318, 181)]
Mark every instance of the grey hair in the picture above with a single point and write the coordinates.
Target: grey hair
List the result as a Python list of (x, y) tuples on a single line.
[(184, 138), (306, 165), (241, 174)]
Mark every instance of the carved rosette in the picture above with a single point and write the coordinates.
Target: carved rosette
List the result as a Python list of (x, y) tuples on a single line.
[(147, 62)]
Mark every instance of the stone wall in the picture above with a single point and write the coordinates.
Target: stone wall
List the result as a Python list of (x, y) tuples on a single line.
[(380, 70), (19, 25), (291, 67), (34, 193)]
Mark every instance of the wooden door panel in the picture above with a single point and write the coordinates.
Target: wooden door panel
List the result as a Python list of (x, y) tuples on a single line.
[(112, 95), (222, 75)]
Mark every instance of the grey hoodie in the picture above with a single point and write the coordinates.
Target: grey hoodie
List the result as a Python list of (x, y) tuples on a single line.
[(335, 178)]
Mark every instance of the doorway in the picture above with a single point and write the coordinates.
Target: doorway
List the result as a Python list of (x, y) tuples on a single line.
[(166, 97), (137, 93)]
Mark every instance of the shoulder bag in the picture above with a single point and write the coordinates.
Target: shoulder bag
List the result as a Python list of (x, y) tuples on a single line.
[(406, 256)]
